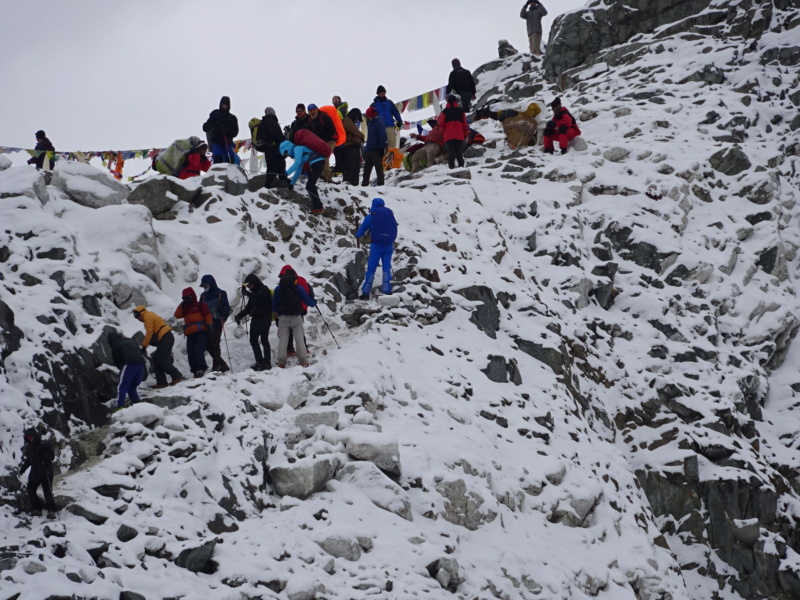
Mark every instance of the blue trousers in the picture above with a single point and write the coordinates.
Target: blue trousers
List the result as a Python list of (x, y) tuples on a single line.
[(196, 346), (129, 379), (224, 153), (382, 254)]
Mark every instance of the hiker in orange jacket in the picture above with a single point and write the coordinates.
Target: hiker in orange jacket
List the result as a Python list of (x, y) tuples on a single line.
[(197, 323)]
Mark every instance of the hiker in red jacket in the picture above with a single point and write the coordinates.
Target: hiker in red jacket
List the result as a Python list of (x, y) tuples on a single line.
[(196, 162), (434, 143), (453, 122), (563, 127), (197, 323)]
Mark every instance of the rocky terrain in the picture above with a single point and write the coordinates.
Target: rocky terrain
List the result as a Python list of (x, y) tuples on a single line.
[(584, 387)]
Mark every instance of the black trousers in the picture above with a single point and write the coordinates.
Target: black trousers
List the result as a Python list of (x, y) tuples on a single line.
[(311, 186), (351, 163), (259, 332), (455, 151), (161, 360), (276, 167), (215, 348), (41, 479), (373, 158)]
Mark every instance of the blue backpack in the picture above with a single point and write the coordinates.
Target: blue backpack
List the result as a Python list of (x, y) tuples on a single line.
[(383, 227)]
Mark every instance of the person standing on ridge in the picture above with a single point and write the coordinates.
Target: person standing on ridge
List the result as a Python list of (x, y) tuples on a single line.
[(350, 151), (453, 121), (563, 127), (301, 120), (532, 12), (197, 323), (217, 302), (43, 146), (158, 334), (38, 455), (322, 126), (127, 357), (389, 115), (287, 307), (259, 307), (382, 225), (375, 147), (301, 156), (222, 126), (340, 106), (270, 136), (462, 84)]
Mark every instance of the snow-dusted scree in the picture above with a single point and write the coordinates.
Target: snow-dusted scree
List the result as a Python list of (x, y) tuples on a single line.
[(585, 387)]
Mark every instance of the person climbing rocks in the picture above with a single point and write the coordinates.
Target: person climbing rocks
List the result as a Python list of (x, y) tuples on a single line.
[(434, 143), (389, 115), (43, 146), (38, 455), (350, 151), (259, 308), (196, 162), (197, 324), (316, 163), (462, 84), (222, 126), (322, 126), (532, 12), (158, 334), (505, 49), (270, 136), (287, 307), (375, 147), (453, 121), (217, 302), (382, 225), (127, 357), (302, 282), (341, 107), (301, 120), (562, 127)]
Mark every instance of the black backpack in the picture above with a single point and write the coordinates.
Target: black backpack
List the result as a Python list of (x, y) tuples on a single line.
[(290, 298)]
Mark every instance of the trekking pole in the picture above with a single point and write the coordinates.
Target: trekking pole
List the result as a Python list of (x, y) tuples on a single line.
[(329, 328), (227, 349)]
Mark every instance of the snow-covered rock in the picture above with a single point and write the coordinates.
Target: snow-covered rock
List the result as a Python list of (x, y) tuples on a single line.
[(86, 185), (5, 162), (22, 181)]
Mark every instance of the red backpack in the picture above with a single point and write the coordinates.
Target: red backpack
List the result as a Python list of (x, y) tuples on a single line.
[(304, 137)]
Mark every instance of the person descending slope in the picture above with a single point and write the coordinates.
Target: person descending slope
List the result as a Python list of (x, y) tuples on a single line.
[(375, 147), (302, 282), (563, 127), (38, 455), (287, 306), (217, 302), (259, 307), (316, 163), (197, 324), (127, 357), (158, 334), (222, 126), (383, 231)]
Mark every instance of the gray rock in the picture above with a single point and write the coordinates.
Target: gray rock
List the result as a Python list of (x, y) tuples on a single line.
[(376, 448), (616, 154), (462, 507), (161, 193), (80, 511), (730, 161), (307, 422), (86, 185), (198, 560), (487, 315), (579, 144), (128, 595), (228, 177), (382, 491), (5, 162), (342, 547), (303, 478), (126, 534), (23, 181)]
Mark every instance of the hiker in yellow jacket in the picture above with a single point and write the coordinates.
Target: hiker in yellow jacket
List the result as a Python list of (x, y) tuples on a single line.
[(158, 334)]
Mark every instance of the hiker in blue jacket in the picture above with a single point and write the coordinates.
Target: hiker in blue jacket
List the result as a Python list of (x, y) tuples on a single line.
[(375, 147), (390, 115), (383, 231), (217, 301), (316, 164)]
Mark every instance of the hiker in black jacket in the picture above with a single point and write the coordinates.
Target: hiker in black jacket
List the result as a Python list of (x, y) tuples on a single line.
[(222, 126), (129, 358), (38, 455), (43, 145), (461, 83), (270, 136), (259, 307)]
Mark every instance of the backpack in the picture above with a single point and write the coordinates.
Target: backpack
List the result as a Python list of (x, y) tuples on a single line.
[(393, 159), (253, 125), (290, 298), (304, 137), (172, 159), (383, 230)]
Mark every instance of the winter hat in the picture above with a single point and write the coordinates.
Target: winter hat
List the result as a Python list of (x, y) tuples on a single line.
[(355, 114), (251, 279), (455, 62), (452, 98), (556, 103), (312, 107), (225, 100), (40, 135), (371, 112), (285, 269), (269, 111), (189, 293), (301, 105), (381, 89)]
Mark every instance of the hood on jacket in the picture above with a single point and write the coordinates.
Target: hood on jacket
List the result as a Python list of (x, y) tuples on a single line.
[(225, 100), (377, 203), (139, 309), (31, 435), (189, 293), (285, 269), (113, 336), (210, 281), (253, 279), (286, 147), (355, 115)]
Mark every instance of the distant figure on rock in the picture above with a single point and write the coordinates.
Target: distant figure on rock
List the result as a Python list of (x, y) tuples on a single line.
[(270, 137), (302, 282), (287, 307), (217, 302), (462, 84), (197, 324), (222, 126), (453, 121), (316, 163), (375, 147), (158, 334), (563, 127), (43, 146), (532, 12), (130, 360), (259, 307), (383, 232), (38, 455), (389, 115), (350, 152), (196, 162), (434, 143), (505, 49)]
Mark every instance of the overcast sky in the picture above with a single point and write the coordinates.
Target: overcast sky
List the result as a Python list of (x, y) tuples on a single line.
[(139, 74)]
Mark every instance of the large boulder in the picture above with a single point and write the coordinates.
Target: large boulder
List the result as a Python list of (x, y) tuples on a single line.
[(487, 314), (5, 162), (161, 193), (382, 491), (303, 478), (376, 448), (129, 230), (22, 181), (86, 185), (229, 177)]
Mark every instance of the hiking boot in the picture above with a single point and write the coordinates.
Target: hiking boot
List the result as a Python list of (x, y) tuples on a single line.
[(223, 368), (199, 373), (177, 380), (364, 297), (549, 151), (563, 151), (259, 366), (291, 353), (317, 211), (161, 386), (51, 515), (281, 366), (36, 512)]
